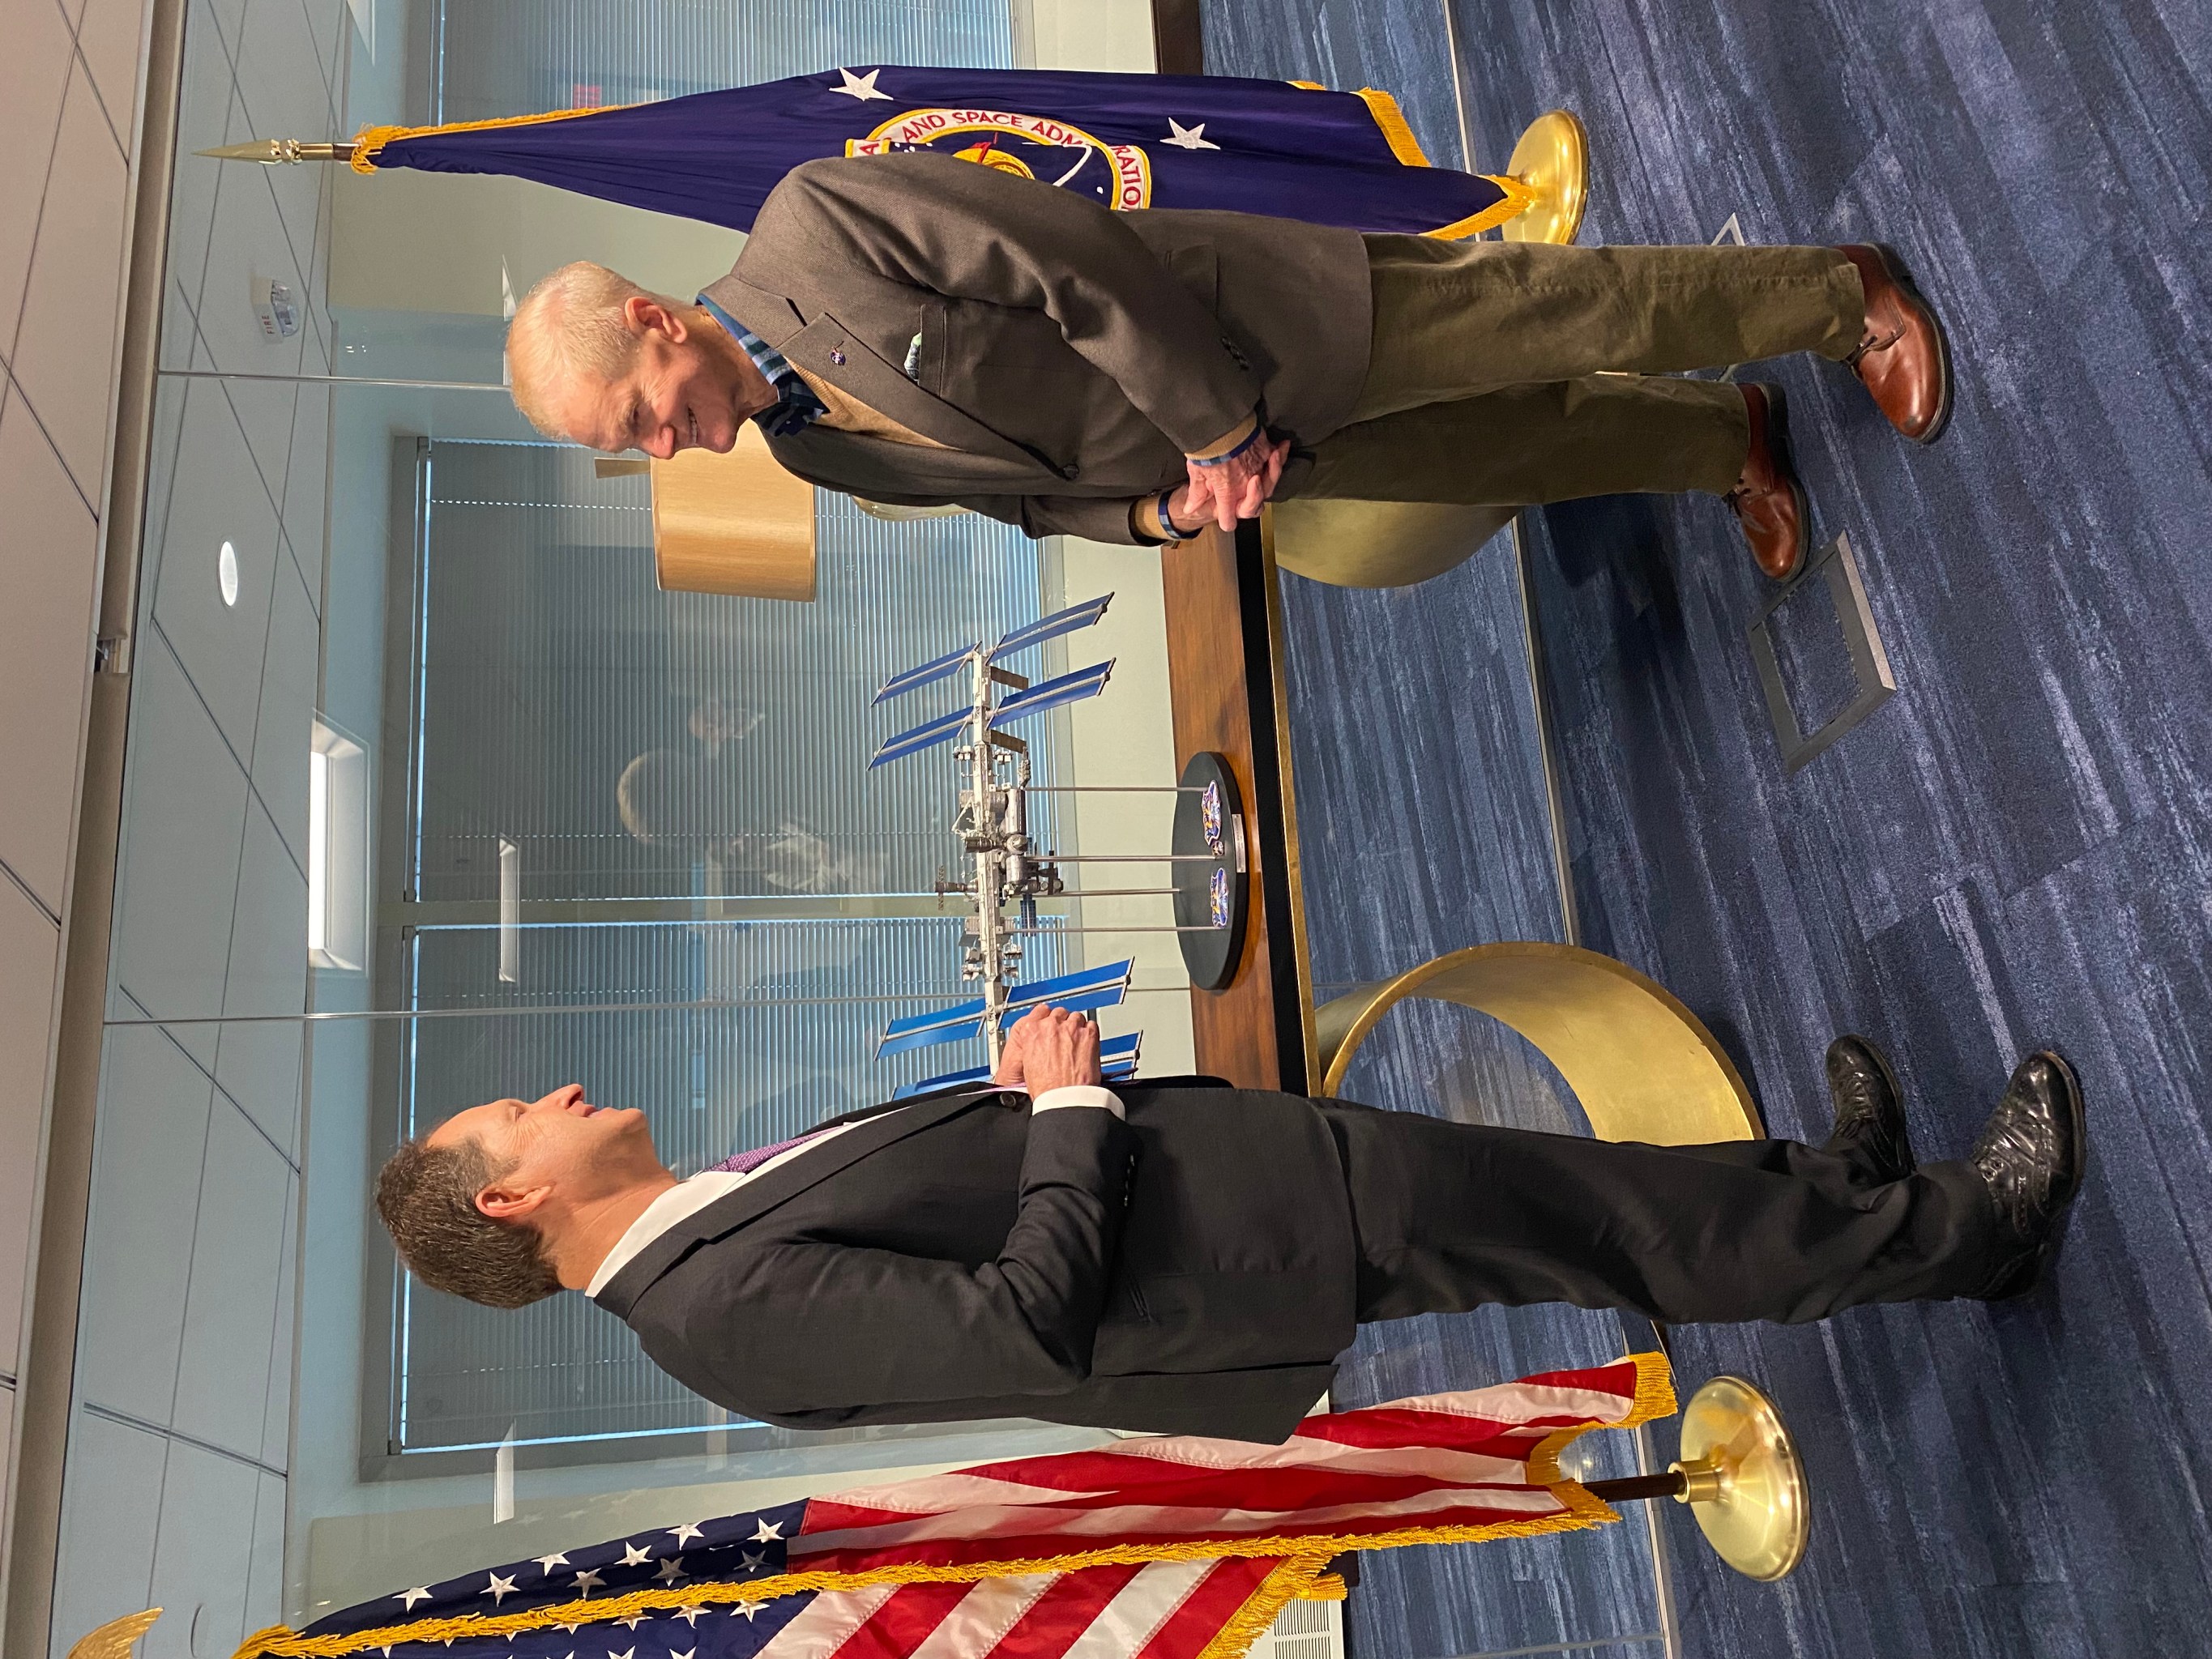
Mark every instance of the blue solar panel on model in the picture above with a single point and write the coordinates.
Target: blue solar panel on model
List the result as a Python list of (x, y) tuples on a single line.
[(1061, 989), (1054, 694), (1117, 1059), (1038, 700), (1033, 700), (1083, 980), (916, 739), (929, 673), (1051, 627), (1086, 992)]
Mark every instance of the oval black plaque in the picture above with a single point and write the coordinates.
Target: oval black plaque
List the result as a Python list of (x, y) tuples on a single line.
[(1213, 891)]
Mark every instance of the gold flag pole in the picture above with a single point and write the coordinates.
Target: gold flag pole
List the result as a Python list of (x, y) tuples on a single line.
[(275, 152)]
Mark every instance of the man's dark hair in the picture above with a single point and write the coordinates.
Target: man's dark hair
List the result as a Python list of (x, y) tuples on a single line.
[(428, 1197)]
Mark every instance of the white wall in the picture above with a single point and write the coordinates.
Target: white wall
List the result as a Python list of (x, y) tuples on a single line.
[(68, 100), (174, 1485), (1085, 34)]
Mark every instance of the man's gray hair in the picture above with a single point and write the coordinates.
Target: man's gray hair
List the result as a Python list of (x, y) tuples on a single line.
[(569, 328)]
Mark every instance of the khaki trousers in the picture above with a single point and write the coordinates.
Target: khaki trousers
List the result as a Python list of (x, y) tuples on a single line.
[(1489, 380)]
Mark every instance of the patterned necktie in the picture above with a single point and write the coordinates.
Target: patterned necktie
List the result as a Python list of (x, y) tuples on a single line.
[(746, 1162)]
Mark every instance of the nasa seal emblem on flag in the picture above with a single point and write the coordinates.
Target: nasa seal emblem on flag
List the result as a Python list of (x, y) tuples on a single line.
[(1027, 146)]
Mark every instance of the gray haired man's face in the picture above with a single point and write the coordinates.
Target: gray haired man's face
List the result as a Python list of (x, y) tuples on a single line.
[(683, 390)]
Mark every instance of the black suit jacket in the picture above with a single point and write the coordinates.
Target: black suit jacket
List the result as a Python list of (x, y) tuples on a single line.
[(1190, 1270), (1070, 355)]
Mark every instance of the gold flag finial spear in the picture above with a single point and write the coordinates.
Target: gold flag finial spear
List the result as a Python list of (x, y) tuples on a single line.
[(271, 152)]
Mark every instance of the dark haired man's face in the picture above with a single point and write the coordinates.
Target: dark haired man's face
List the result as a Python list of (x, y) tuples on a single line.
[(560, 1144)]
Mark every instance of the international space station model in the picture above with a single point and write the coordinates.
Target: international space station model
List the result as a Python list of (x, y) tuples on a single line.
[(1006, 869)]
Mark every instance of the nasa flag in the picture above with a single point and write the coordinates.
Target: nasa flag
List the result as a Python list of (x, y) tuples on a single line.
[(1128, 142)]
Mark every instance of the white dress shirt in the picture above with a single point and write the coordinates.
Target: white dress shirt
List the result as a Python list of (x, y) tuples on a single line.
[(701, 1189)]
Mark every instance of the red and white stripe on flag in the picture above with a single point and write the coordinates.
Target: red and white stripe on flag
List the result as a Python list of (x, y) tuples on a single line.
[(1142, 1610), (1447, 1468)]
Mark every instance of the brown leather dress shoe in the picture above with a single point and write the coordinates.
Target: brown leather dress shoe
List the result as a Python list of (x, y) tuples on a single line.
[(1903, 359), (1769, 502)]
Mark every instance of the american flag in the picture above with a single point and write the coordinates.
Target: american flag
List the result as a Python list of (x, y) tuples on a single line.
[(1150, 1548)]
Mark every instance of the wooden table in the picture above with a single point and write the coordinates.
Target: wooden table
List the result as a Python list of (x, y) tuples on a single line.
[(1224, 626)]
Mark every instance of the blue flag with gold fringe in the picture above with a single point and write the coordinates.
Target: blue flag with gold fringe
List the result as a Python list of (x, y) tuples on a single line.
[(1127, 141)]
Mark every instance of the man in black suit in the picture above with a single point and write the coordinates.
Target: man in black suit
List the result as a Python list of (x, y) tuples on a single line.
[(1185, 1257), (917, 330)]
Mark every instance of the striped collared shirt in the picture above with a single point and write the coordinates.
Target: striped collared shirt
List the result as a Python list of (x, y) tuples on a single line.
[(796, 407)]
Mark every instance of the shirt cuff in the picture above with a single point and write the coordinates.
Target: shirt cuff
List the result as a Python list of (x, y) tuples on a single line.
[(1232, 439), (1077, 1094), (1145, 520)]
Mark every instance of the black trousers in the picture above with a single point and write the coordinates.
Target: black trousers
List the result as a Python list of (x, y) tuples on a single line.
[(1450, 1216)]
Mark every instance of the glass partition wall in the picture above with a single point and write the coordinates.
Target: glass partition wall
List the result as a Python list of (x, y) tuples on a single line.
[(433, 796)]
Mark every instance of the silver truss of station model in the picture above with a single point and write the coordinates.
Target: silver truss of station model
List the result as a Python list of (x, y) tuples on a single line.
[(1007, 874), (992, 824)]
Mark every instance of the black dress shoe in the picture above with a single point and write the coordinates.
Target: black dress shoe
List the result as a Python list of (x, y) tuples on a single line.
[(1869, 1132), (2031, 1156)]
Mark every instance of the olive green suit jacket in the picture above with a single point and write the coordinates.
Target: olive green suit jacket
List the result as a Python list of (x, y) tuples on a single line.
[(1067, 356)]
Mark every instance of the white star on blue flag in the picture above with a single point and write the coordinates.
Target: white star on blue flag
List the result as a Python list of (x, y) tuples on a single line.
[(860, 87)]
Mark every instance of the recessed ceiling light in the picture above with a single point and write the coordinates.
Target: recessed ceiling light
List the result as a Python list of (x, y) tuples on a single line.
[(226, 573)]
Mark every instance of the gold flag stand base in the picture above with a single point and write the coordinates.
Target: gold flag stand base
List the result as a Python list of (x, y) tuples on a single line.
[(1553, 159), (1740, 1474)]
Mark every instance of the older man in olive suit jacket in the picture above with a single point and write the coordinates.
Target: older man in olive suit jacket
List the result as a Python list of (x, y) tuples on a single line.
[(917, 330)]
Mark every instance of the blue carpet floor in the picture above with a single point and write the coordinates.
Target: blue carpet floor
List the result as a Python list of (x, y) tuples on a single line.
[(2016, 851)]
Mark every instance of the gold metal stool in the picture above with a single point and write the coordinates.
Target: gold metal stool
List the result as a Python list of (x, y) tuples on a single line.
[(1643, 1066)]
